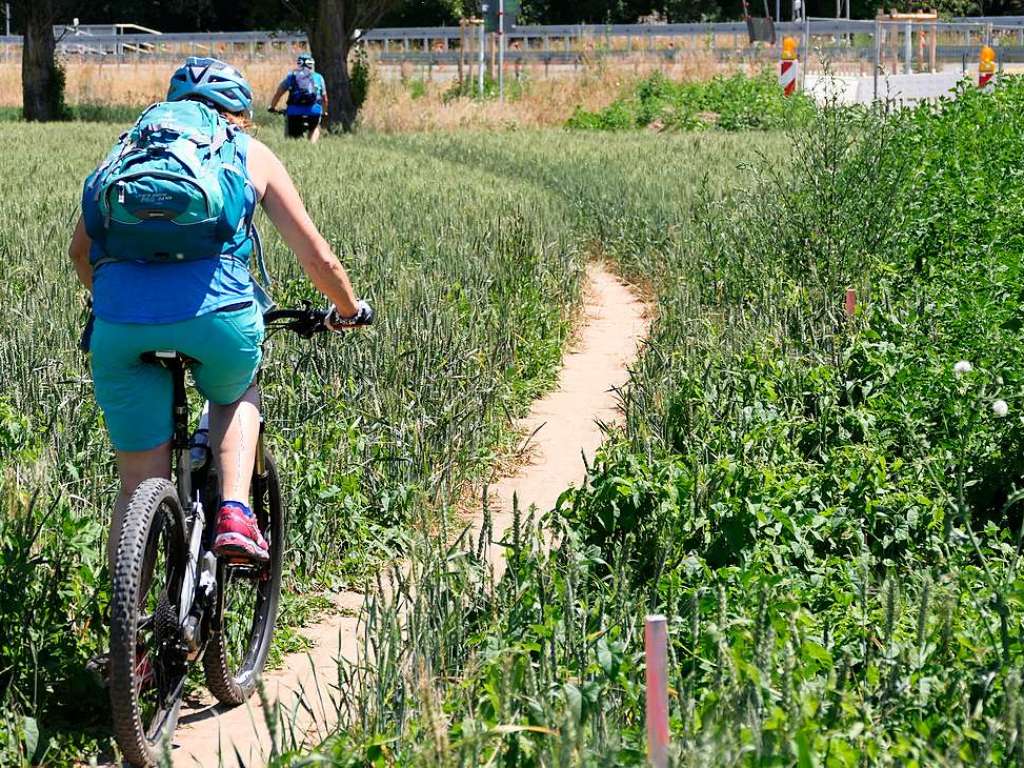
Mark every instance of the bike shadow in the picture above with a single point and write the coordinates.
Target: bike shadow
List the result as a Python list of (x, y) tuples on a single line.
[(200, 711)]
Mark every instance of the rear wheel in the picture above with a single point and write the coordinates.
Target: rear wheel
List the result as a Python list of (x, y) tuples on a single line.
[(147, 663), (237, 652)]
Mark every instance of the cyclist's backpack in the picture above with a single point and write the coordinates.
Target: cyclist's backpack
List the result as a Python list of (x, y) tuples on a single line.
[(173, 189), (303, 91)]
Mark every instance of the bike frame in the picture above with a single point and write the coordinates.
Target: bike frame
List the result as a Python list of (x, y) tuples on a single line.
[(200, 514), (186, 482)]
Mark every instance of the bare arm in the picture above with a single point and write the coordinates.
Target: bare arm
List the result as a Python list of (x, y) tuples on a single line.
[(283, 205), (79, 253), (281, 91)]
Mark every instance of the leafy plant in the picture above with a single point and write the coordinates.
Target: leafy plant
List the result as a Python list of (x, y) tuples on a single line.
[(734, 103), (826, 506)]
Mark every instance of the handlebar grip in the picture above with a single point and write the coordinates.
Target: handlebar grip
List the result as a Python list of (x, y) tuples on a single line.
[(364, 316)]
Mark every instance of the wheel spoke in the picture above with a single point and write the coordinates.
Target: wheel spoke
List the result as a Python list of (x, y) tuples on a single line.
[(158, 673), (249, 595)]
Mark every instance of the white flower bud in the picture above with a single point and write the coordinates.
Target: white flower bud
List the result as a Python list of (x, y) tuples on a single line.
[(961, 368), (1000, 408)]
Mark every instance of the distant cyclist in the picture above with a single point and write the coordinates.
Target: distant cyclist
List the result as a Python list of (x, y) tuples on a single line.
[(307, 99), (164, 244)]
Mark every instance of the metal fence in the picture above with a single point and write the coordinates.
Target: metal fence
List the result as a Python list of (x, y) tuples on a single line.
[(848, 46)]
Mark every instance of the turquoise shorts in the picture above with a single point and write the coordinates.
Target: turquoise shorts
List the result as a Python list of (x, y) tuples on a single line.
[(136, 396)]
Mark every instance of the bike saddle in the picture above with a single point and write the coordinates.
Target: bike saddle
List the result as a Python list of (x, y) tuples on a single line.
[(167, 358)]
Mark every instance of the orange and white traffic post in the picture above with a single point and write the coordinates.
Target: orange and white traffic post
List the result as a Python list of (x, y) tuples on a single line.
[(986, 67), (788, 66)]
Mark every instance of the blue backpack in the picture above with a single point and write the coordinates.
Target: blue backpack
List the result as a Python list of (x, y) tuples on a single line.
[(173, 189), (303, 90)]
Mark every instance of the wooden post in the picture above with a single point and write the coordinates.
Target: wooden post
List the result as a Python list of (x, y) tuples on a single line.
[(935, 44), (656, 652), (850, 305), (462, 46)]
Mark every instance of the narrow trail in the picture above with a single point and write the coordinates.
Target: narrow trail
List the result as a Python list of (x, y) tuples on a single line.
[(565, 425)]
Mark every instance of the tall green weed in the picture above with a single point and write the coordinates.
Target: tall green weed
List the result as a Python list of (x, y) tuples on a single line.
[(826, 507), (729, 103)]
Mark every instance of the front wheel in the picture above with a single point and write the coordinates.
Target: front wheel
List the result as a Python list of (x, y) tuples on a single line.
[(147, 664), (238, 650)]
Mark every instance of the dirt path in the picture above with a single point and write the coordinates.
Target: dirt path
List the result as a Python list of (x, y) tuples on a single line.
[(566, 425)]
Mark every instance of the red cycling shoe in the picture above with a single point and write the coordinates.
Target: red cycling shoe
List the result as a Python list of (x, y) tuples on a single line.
[(238, 534)]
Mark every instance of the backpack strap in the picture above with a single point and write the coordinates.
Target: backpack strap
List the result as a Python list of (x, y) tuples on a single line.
[(236, 163)]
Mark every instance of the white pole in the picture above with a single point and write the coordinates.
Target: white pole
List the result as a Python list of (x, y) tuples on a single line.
[(501, 51), (656, 653), (482, 58), (7, 15)]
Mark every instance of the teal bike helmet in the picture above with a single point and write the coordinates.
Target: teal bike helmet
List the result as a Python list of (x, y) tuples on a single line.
[(306, 60), (213, 81)]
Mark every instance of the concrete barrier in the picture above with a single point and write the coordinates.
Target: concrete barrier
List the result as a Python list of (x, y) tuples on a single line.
[(902, 89)]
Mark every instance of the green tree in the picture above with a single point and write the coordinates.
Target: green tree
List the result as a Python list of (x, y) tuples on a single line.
[(333, 27), (429, 13)]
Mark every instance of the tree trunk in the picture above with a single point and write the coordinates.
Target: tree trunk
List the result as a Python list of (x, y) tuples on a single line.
[(42, 81), (330, 45)]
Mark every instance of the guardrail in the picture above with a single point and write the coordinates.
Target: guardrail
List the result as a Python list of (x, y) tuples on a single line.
[(97, 36), (551, 44)]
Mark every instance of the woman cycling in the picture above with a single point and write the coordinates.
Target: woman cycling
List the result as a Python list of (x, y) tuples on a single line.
[(307, 100), (203, 308)]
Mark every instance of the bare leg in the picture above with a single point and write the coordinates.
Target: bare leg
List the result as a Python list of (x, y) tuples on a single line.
[(314, 135), (134, 467), (234, 432)]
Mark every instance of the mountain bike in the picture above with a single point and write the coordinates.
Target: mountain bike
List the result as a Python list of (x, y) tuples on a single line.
[(173, 602), (305, 124)]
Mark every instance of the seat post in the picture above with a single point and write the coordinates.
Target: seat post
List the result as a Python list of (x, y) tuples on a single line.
[(181, 441), (180, 407)]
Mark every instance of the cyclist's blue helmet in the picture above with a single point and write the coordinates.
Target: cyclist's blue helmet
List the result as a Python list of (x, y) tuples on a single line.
[(212, 81), (306, 60)]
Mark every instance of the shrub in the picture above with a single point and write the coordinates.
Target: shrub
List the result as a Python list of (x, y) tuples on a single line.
[(734, 103)]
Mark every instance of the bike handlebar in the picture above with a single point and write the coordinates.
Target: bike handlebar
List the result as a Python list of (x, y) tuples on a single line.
[(305, 322)]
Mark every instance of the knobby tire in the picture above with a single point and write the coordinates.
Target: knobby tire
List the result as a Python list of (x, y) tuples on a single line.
[(154, 503)]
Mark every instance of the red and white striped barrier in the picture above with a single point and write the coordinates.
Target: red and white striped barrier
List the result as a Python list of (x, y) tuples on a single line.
[(788, 66), (656, 653), (986, 68), (787, 77)]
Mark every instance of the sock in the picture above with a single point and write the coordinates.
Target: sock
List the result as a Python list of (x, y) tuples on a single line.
[(237, 505)]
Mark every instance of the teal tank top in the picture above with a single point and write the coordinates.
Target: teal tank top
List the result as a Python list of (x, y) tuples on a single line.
[(150, 294)]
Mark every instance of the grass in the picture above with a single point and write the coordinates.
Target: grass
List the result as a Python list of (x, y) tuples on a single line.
[(475, 282), (475, 269), (735, 103), (826, 508), (401, 99), (823, 506)]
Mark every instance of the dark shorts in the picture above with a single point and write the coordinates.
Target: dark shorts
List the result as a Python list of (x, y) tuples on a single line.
[(300, 125)]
